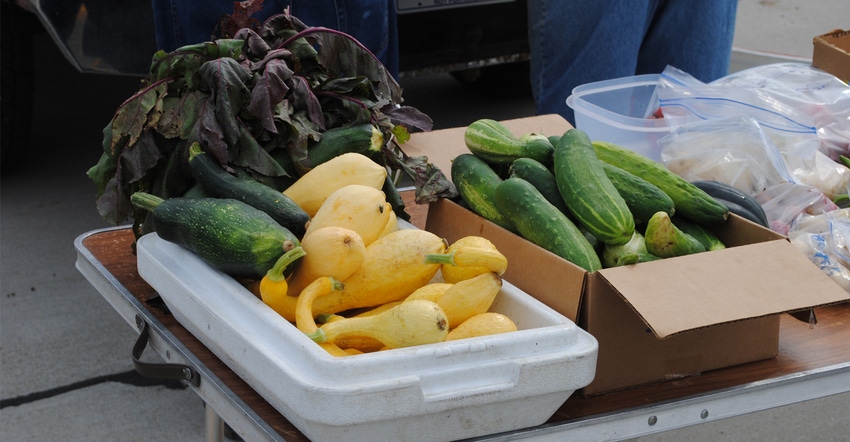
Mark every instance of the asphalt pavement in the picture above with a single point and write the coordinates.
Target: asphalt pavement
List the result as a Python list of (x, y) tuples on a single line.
[(65, 367)]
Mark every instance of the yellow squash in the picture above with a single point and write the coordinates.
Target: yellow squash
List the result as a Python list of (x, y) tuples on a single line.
[(407, 324), (468, 257), (311, 189), (362, 209), (489, 323), (330, 251), (393, 269), (470, 297)]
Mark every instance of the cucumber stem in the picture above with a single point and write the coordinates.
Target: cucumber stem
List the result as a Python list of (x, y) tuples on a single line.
[(145, 201), (276, 272)]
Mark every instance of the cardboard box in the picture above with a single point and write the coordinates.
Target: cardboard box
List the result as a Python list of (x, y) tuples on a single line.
[(657, 320), (832, 53)]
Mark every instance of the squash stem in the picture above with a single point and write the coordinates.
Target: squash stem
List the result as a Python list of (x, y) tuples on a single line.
[(471, 257), (276, 272), (317, 336), (145, 201)]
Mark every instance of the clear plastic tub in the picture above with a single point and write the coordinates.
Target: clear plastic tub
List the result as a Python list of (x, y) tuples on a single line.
[(620, 111)]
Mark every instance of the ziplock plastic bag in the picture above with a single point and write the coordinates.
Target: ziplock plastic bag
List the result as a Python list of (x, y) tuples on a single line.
[(804, 111), (786, 203), (825, 240), (732, 150)]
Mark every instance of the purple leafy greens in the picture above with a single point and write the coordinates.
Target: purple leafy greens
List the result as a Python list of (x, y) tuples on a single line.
[(256, 102)]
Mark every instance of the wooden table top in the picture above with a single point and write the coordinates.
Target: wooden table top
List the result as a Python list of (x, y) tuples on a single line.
[(801, 347)]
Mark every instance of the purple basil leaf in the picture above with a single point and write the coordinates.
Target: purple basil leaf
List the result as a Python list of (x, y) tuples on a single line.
[(227, 81), (269, 90)]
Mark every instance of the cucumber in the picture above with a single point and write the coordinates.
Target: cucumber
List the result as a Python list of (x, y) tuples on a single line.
[(217, 182), (476, 184), (665, 240), (726, 192), (631, 252), (709, 240), (543, 224), (364, 139), (690, 201), (540, 177), (588, 192), (643, 198), (228, 234), (491, 141)]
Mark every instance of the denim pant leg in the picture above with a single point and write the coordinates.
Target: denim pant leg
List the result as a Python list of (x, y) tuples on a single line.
[(371, 22), (578, 41)]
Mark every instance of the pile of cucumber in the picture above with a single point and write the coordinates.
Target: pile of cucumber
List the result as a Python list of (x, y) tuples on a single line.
[(595, 204)]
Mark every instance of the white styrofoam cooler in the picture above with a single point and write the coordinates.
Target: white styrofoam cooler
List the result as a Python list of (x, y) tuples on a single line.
[(444, 391)]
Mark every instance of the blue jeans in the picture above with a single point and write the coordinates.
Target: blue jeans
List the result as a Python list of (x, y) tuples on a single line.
[(575, 42), (371, 22)]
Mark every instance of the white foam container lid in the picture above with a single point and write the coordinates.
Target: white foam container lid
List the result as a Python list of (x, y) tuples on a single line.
[(443, 391)]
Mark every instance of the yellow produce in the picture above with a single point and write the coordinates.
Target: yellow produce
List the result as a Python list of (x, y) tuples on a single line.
[(392, 224), (470, 297), (430, 291), (362, 209), (393, 269), (273, 287), (407, 324), (330, 251), (303, 316), (489, 323), (468, 257), (311, 189)]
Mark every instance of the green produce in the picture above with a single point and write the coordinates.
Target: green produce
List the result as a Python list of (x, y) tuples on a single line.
[(228, 234), (708, 239), (476, 183), (642, 197), (735, 200), (364, 139), (543, 224), (665, 240), (588, 192), (690, 201), (218, 183), (491, 141), (540, 177), (631, 252)]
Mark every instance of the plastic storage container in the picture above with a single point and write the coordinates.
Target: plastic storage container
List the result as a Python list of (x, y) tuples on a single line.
[(443, 391), (619, 111)]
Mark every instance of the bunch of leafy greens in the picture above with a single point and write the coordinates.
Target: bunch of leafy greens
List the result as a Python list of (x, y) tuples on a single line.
[(256, 102)]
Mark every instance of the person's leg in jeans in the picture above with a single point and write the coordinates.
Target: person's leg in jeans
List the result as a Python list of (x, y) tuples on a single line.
[(576, 42)]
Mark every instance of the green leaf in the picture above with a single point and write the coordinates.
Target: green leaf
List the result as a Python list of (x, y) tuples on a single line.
[(226, 80), (131, 118)]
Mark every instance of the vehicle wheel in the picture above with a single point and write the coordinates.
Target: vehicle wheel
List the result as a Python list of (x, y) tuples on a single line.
[(16, 82), (511, 79)]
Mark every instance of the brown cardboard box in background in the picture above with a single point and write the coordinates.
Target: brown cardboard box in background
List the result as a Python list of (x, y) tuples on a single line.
[(657, 320), (832, 53)]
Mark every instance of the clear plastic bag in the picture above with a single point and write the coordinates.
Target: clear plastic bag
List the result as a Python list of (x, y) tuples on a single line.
[(805, 113), (786, 203), (732, 150), (825, 240)]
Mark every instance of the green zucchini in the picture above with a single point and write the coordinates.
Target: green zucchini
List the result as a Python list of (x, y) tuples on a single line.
[(364, 138), (476, 184), (540, 177), (708, 239), (228, 234), (543, 224), (665, 240), (642, 197), (723, 192), (218, 183), (690, 201), (588, 192), (491, 141)]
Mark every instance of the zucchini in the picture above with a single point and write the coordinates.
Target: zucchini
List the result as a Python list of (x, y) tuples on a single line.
[(228, 234), (726, 192), (543, 224), (476, 184), (689, 200), (708, 239), (540, 177), (217, 182), (364, 139), (491, 141), (665, 240), (743, 212), (588, 192), (642, 197)]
